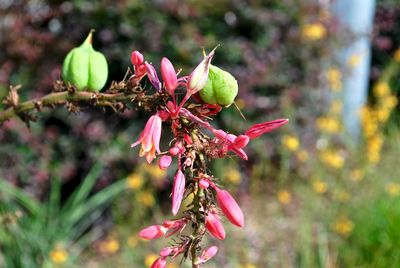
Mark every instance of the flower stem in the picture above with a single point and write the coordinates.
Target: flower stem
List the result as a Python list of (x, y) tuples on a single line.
[(77, 98)]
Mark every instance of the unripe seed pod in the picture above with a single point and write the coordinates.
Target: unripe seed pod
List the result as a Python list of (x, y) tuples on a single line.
[(221, 87), (85, 67)]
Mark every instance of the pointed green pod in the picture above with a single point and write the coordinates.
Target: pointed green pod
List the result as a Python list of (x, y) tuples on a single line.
[(85, 67), (221, 87)]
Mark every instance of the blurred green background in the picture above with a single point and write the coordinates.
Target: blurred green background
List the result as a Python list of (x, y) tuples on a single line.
[(74, 194)]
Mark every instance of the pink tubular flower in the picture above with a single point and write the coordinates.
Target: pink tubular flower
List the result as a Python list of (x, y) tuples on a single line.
[(150, 138), (198, 78), (232, 142), (261, 128), (136, 58), (169, 76), (230, 208), (177, 191), (214, 226), (164, 162), (153, 232), (207, 254), (159, 263), (152, 75), (175, 226)]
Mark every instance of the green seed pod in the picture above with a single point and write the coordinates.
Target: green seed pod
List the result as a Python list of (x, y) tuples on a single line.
[(84, 67), (221, 87)]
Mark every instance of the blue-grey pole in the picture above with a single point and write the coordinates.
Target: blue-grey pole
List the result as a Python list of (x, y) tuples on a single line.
[(358, 16)]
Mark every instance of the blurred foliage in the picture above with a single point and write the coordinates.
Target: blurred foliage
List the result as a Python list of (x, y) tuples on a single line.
[(36, 234)]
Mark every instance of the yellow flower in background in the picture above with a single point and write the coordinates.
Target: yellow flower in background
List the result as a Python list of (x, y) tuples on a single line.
[(313, 31), (155, 172), (146, 198), (383, 114), (396, 55), (302, 155), (134, 181), (319, 187), (58, 255), (133, 241), (284, 197), (341, 196), (381, 89), (149, 259), (233, 175), (109, 246), (172, 265), (290, 142), (333, 159), (328, 124), (356, 175), (390, 102), (248, 265), (354, 60), (374, 146), (336, 107), (393, 189), (334, 77), (343, 226)]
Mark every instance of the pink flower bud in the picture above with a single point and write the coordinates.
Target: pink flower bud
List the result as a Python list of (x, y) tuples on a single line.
[(177, 191), (159, 263), (153, 232), (169, 76), (152, 75), (174, 150), (174, 226), (165, 252), (136, 58), (214, 226), (207, 254), (230, 208), (198, 78), (164, 162), (261, 128), (203, 184)]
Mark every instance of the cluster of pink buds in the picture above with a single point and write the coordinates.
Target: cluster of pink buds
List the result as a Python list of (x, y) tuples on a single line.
[(192, 147)]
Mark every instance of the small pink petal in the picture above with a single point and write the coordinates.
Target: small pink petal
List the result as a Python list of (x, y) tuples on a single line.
[(164, 162), (261, 128), (208, 253), (203, 184), (153, 232)]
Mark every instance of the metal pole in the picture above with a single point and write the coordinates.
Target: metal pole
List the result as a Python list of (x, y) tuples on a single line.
[(357, 16)]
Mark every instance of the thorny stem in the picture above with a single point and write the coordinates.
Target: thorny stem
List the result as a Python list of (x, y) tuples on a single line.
[(77, 98), (199, 226)]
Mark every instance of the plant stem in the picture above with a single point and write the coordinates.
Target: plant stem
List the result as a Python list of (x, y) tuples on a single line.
[(199, 229), (61, 98)]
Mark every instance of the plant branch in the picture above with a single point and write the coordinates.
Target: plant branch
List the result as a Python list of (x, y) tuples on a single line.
[(116, 100)]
